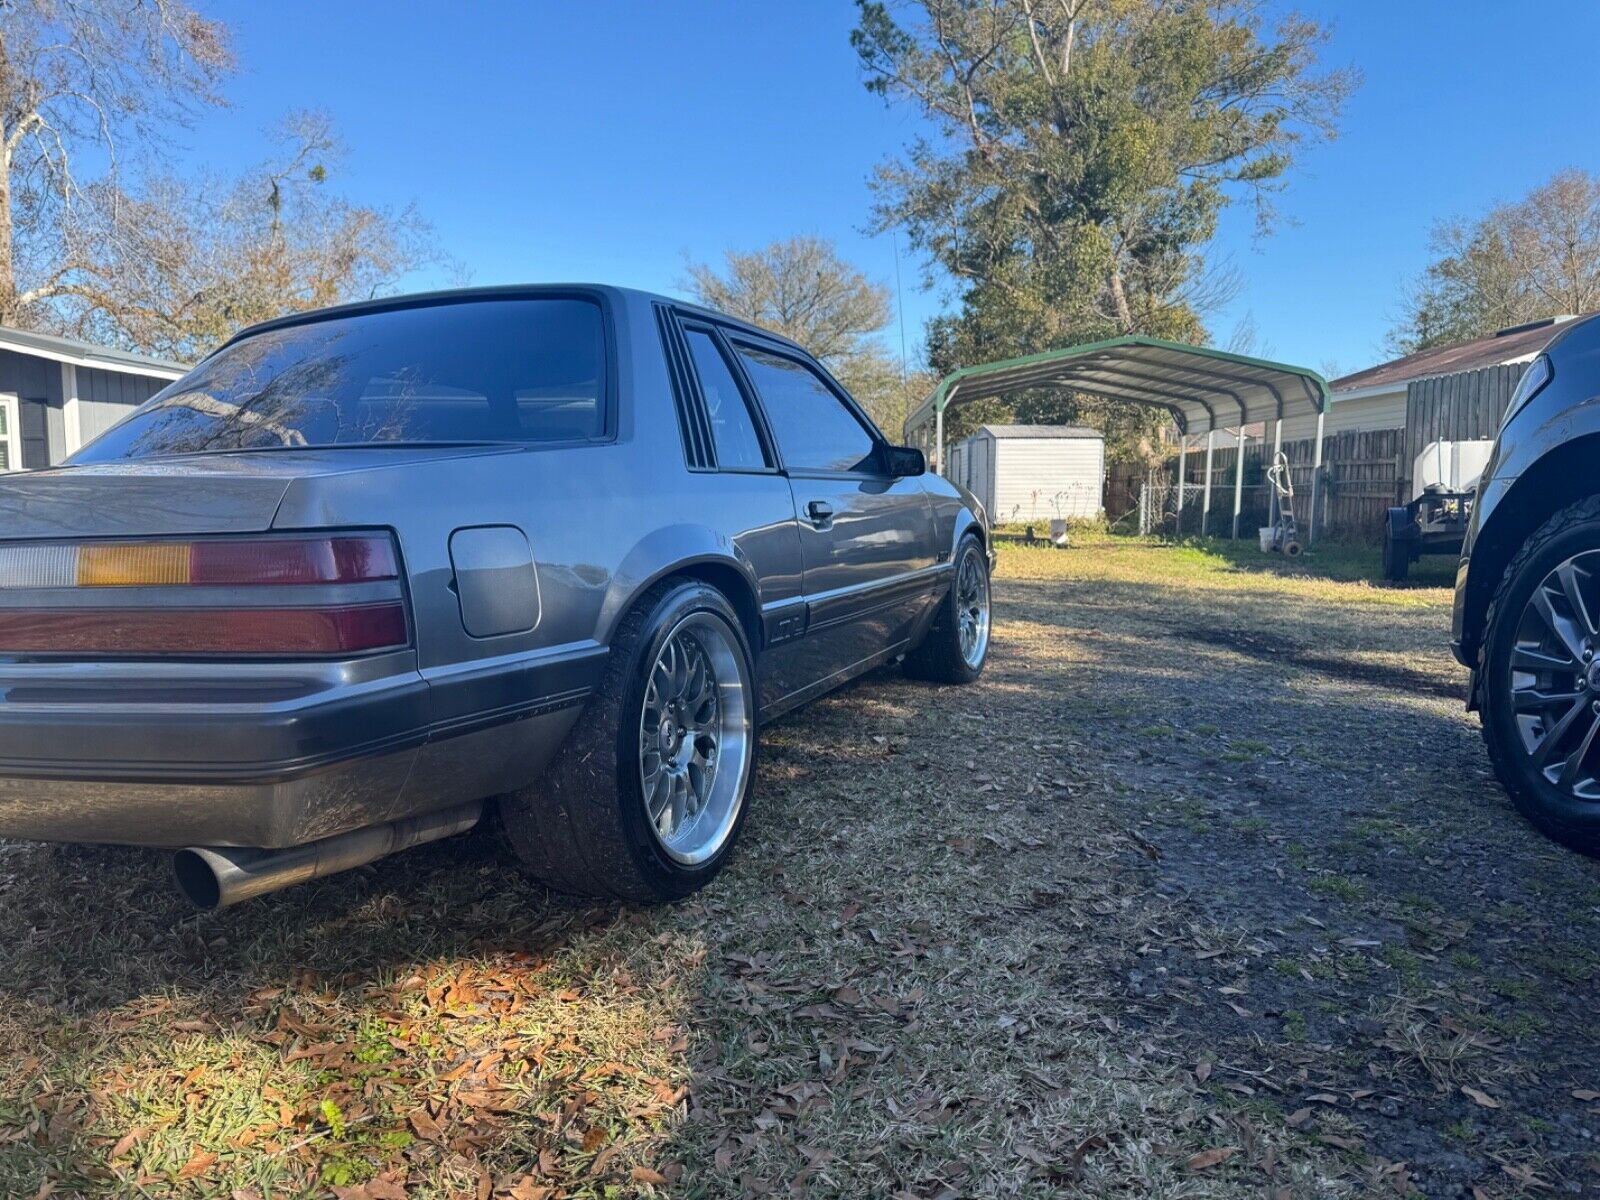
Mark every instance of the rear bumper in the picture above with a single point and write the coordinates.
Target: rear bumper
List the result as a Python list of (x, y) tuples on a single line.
[(268, 755)]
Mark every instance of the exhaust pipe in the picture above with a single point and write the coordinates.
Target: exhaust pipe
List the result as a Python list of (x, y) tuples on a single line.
[(214, 877)]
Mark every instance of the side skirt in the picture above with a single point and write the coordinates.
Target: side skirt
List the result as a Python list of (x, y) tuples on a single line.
[(794, 700)]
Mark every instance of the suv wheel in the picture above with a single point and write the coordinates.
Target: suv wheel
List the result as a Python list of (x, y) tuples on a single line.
[(1540, 677), (647, 797)]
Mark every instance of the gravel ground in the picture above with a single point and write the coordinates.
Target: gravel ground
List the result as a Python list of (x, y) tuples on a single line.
[(1204, 891)]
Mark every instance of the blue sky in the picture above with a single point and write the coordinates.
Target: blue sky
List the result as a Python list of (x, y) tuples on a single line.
[(611, 141)]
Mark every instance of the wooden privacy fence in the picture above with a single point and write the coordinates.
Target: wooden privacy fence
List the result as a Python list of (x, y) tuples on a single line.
[(1463, 407), (1364, 472)]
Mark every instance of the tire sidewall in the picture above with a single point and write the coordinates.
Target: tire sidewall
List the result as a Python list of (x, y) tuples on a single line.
[(668, 877), (969, 546), (1559, 814)]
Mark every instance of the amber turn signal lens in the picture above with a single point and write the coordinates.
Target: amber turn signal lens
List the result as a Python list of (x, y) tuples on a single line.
[(133, 564)]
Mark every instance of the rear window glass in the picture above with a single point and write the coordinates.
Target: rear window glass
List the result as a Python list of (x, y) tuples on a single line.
[(524, 370)]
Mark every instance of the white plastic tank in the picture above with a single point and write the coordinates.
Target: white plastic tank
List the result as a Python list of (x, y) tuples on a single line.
[(1450, 466)]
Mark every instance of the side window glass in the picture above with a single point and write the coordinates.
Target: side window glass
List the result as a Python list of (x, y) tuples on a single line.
[(814, 429), (732, 429)]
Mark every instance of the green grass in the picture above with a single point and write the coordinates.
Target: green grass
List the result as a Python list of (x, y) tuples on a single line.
[(1334, 560), (1348, 573), (1406, 963), (1339, 887)]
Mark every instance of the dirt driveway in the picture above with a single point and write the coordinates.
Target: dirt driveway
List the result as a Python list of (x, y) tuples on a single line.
[(1205, 891)]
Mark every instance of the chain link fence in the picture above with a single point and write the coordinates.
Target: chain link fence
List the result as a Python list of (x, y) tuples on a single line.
[(1157, 511)]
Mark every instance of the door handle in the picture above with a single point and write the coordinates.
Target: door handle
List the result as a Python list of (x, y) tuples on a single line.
[(820, 512)]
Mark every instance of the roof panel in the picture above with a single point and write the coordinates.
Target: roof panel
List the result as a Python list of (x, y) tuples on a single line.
[(1203, 388), (1513, 346), (1043, 431)]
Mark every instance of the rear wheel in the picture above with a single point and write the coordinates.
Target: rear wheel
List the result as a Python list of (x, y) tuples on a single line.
[(1540, 678), (1397, 528), (957, 644), (647, 797)]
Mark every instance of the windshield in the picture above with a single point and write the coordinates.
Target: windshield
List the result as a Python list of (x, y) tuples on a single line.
[(491, 370)]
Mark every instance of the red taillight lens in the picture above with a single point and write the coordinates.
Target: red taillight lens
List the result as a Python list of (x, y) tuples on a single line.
[(352, 629), (285, 560), (367, 613)]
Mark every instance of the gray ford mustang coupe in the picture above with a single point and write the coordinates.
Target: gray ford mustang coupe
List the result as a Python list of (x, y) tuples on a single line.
[(366, 573)]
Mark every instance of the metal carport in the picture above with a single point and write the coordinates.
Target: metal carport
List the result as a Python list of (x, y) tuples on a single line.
[(1204, 390)]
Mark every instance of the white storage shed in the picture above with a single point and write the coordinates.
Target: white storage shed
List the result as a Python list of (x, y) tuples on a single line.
[(1033, 472)]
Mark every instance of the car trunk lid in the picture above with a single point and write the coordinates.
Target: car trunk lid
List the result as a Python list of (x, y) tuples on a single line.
[(189, 494)]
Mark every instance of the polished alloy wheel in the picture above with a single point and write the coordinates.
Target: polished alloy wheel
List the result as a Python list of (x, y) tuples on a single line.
[(972, 609), (695, 738), (1555, 677)]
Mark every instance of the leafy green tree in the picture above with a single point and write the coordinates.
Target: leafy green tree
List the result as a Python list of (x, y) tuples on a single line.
[(1535, 258), (1080, 154)]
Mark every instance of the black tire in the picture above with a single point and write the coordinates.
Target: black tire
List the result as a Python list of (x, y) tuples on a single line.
[(584, 827), (1397, 544), (939, 658), (1566, 818)]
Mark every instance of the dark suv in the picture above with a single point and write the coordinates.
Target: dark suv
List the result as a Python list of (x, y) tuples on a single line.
[(1527, 605)]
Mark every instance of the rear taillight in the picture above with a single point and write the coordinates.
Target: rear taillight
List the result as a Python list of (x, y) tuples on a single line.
[(206, 596), (237, 562)]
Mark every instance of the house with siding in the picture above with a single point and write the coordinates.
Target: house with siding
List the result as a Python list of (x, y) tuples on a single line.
[(1376, 397), (56, 394)]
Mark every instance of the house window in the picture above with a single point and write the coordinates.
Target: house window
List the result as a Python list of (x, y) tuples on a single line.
[(10, 435)]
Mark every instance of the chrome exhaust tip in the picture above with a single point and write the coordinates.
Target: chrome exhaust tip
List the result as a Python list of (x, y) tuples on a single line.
[(214, 877)]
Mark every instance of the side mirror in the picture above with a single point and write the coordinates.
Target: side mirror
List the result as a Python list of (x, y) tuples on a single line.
[(905, 461)]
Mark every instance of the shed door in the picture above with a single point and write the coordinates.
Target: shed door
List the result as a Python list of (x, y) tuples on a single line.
[(979, 474)]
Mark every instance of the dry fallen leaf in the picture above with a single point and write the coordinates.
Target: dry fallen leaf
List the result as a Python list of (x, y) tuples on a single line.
[(1585, 1094), (1210, 1158), (1480, 1098), (127, 1142), (646, 1175), (424, 1126), (199, 1163)]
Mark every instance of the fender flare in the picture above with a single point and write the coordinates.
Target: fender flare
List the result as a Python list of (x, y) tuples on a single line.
[(967, 523), (688, 549)]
